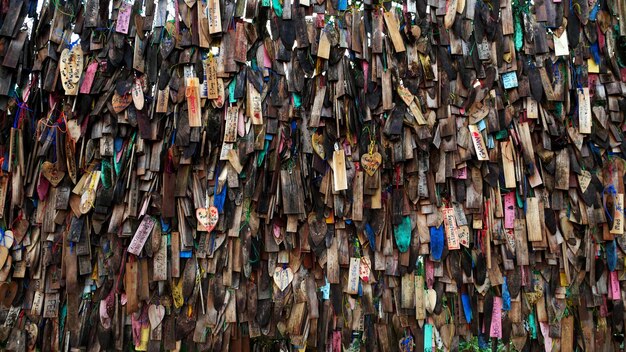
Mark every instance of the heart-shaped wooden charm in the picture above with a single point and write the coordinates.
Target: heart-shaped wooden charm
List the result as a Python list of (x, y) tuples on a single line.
[(317, 228), (32, 331), (519, 342), (447, 332), (155, 314), (87, 200), (207, 218), (8, 290), (283, 277), (52, 173), (430, 300), (371, 162), (317, 141)]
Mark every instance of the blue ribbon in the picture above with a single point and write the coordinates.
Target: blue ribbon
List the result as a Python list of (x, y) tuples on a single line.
[(219, 198), (594, 12), (2, 232), (436, 241), (20, 105), (506, 296), (370, 235), (595, 52), (165, 226), (611, 255), (72, 44), (467, 307), (611, 190)]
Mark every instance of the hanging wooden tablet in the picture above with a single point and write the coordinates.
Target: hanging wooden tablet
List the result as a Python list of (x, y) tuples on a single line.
[(13, 149), (139, 61), (162, 100), (332, 262), (51, 305), (159, 261), (192, 95), (533, 224), (532, 111), (241, 43), (4, 184), (141, 235), (214, 16), (562, 170), (450, 228), (479, 143), (352, 287), (340, 179), (408, 291), (137, 93), (618, 215), (357, 193), (211, 77), (123, 17), (450, 14), (230, 126), (420, 310), (203, 24), (584, 111), (175, 251), (323, 48), (253, 105), (508, 164), (394, 33)]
